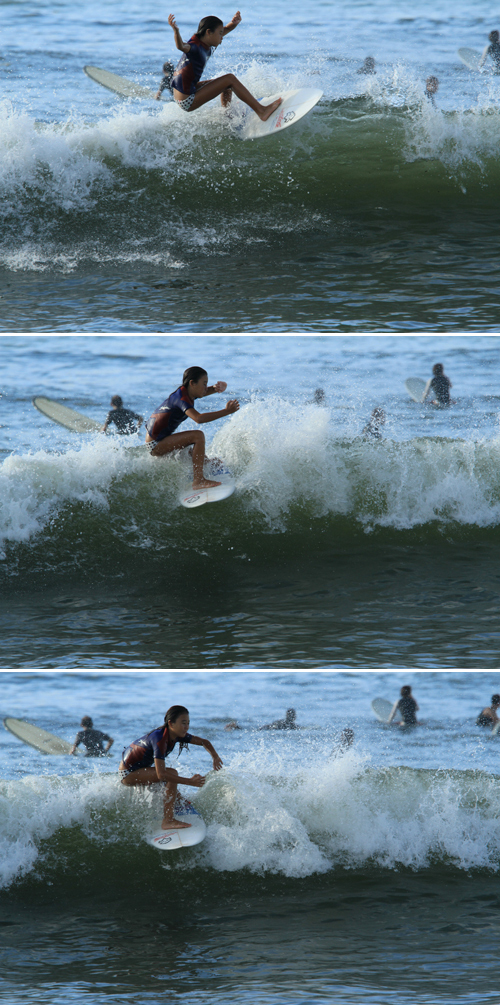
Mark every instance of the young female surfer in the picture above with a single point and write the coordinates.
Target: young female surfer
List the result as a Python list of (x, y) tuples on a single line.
[(185, 84), (143, 762), (178, 407)]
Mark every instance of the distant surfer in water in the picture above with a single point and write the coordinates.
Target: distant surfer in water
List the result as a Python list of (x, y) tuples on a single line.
[(368, 65), (161, 435), (440, 385), (143, 762), (372, 428), (124, 419), (488, 716), (492, 50), (92, 739), (287, 723), (185, 84), (431, 87), (406, 706)]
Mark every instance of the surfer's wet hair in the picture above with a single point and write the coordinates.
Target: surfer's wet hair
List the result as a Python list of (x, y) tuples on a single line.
[(494, 36), (209, 23), (193, 373), (87, 721), (406, 690), (176, 710), (495, 700), (438, 369), (117, 401)]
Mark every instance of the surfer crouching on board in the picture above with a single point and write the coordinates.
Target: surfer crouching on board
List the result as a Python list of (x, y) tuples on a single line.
[(143, 762), (179, 406), (185, 84)]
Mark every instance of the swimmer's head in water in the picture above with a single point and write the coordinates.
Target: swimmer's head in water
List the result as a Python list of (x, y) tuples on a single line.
[(438, 369), (494, 36), (116, 400), (431, 85), (347, 737), (378, 415), (405, 691), (291, 715), (495, 699), (319, 396), (87, 722)]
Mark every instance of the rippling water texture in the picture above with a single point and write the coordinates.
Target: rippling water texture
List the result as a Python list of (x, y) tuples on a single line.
[(378, 211)]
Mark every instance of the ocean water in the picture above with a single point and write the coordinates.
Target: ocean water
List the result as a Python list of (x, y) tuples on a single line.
[(335, 551), (361, 879), (378, 212)]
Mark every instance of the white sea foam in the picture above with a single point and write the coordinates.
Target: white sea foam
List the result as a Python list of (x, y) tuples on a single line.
[(273, 817)]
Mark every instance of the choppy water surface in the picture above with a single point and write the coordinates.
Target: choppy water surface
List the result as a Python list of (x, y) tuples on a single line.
[(335, 550), (361, 878), (377, 212)]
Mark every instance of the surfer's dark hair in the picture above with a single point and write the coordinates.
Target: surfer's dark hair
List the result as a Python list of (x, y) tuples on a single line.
[(438, 369), (495, 700), (494, 35), (208, 24), (192, 373), (176, 710), (87, 721), (406, 690), (117, 400)]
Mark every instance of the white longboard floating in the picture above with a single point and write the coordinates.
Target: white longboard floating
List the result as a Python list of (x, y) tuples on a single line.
[(120, 85), (294, 106), (415, 387), (170, 840), (471, 58), (35, 737), (382, 709), (67, 417)]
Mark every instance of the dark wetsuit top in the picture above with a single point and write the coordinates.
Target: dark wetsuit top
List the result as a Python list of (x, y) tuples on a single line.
[(190, 66), (408, 707), (441, 387), (484, 720), (156, 745), (93, 741), (494, 52), (170, 414), (125, 421)]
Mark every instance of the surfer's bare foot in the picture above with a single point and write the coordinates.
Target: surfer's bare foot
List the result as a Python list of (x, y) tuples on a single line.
[(205, 483), (169, 825), (268, 110)]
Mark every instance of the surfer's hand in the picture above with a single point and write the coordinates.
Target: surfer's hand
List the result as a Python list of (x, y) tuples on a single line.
[(236, 18), (218, 763), (197, 781), (171, 21), (220, 386), (232, 406)]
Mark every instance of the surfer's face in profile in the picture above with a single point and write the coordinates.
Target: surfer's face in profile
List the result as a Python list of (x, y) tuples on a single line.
[(198, 389), (213, 38), (180, 725)]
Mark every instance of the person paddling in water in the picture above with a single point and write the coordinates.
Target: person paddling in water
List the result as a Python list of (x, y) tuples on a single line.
[(143, 762), (179, 406), (185, 84)]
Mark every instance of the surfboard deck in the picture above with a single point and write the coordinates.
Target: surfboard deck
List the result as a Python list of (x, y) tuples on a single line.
[(171, 840), (119, 85), (471, 58), (192, 498), (34, 736), (415, 387), (382, 708), (67, 417), (294, 106)]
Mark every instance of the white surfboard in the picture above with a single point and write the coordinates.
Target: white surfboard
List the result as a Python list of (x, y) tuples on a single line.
[(294, 106), (496, 729), (415, 387), (170, 840), (66, 417), (120, 85), (382, 708), (471, 58), (192, 498), (36, 737)]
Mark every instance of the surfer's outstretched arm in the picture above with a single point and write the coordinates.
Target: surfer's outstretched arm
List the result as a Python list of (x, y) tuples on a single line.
[(233, 23), (179, 44), (200, 742)]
